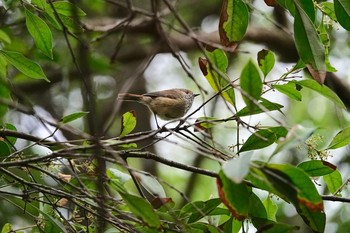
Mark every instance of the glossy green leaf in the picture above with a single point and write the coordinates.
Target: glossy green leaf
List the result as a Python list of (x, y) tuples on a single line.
[(256, 207), (234, 196), (73, 116), (341, 139), (333, 181), (67, 9), (261, 181), (232, 225), (236, 169), (266, 61), (256, 109), (321, 89), (296, 185), (308, 8), (23, 64), (214, 71), (308, 44), (271, 208), (263, 138), (40, 32), (342, 11), (4, 37), (289, 89), (251, 84), (128, 123), (233, 24), (317, 167)]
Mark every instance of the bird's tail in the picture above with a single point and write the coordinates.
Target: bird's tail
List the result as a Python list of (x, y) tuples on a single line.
[(129, 97)]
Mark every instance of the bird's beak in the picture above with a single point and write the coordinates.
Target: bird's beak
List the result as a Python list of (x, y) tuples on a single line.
[(196, 95)]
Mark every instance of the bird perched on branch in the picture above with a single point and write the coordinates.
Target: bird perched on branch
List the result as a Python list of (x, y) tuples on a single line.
[(167, 104)]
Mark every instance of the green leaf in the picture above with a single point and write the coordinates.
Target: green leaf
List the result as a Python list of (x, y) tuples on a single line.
[(11, 140), (40, 3), (203, 123), (308, 44), (7, 228), (290, 90), (261, 181), (341, 139), (4, 37), (151, 184), (326, 41), (5, 149), (40, 32), (214, 70), (256, 109), (251, 84), (116, 175), (256, 207), (141, 208), (3, 73), (4, 93), (67, 21), (237, 169), (328, 9), (271, 208), (72, 117), (333, 181), (263, 138), (67, 9), (321, 89), (234, 196), (198, 209), (55, 224), (288, 5), (232, 225), (266, 61), (342, 11), (317, 167), (296, 185), (308, 8), (268, 226), (233, 24), (128, 123), (23, 64)]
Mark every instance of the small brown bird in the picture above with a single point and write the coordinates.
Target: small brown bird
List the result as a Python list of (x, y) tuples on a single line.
[(167, 104)]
